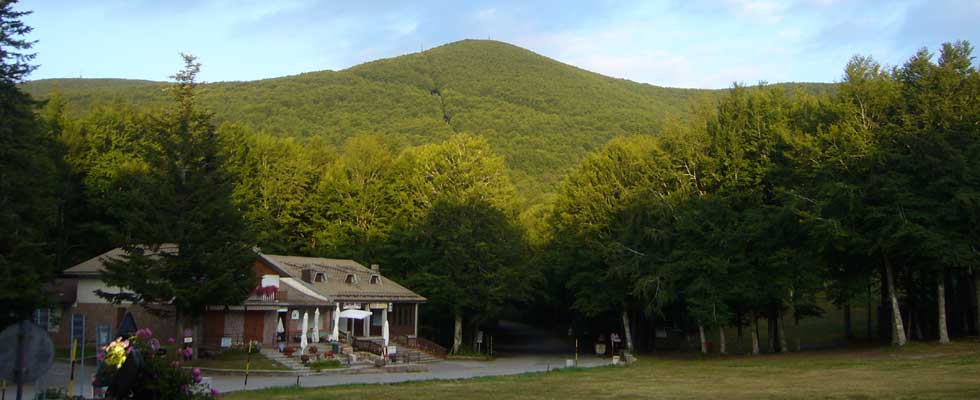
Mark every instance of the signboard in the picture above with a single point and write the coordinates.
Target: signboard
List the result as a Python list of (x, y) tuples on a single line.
[(615, 338), (225, 342), (352, 306), (479, 336), (392, 349), (378, 306), (294, 314)]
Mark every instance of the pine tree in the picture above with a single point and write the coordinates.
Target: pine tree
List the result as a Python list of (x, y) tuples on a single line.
[(27, 180), (189, 205)]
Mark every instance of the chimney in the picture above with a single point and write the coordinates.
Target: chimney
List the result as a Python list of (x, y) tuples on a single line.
[(375, 268), (307, 275)]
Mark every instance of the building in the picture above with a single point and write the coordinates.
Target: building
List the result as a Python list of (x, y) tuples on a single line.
[(354, 298)]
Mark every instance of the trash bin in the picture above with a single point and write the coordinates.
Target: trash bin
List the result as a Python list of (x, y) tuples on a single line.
[(335, 347)]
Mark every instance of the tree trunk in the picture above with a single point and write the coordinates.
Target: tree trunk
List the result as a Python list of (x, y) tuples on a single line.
[(626, 331), (457, 332), (755, 336), (941, 300), (848, 330), (898, 331), (781, 331), (738, 344), (771, 333), (721, 341), (976, 294), (868, 322), (796, 328), (704, 341), (198, 330)]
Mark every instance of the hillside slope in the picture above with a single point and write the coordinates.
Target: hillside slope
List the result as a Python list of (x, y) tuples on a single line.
[(540, 114)]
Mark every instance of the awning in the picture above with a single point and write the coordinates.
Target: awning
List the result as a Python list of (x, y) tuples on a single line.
[(355, 314)]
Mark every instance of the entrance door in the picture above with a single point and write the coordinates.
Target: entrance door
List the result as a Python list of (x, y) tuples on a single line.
[(214, 327), (358, 327), (254, 326)]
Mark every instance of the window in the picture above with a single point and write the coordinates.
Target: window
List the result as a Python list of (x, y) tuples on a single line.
[(42, 317), (376, 318), (320, 277), (375, 280), (351, 279)]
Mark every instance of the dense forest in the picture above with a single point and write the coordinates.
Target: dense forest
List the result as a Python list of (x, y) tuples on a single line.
[(542, 116), (490, 179)]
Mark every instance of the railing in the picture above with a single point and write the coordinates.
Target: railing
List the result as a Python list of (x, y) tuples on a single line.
[(369, 346), (423, 344)]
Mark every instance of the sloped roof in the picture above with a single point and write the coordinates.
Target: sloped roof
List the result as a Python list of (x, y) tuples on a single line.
[(336, 272), (95, 265)]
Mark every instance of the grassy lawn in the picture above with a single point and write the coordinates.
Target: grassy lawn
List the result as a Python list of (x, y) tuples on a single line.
[(63, 353), (919, 371), (235, 359)]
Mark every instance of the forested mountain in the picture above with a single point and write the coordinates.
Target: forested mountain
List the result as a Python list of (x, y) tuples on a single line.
[(541, 115)]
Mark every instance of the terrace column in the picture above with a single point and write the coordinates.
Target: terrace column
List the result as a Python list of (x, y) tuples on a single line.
[(367, 321), (416, 331)]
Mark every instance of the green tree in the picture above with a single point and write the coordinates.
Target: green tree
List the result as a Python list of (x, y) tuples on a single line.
[(191, 207), (28, 180)]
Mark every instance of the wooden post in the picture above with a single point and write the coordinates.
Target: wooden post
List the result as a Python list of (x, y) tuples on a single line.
[(416, 320)]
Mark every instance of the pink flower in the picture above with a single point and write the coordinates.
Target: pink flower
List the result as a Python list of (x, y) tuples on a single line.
[(197, 379), (100, 356), (215, 392), (171, 340), (175, 364), (196, 371)]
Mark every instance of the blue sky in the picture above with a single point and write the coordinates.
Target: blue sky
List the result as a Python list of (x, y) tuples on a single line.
[(686, 43)]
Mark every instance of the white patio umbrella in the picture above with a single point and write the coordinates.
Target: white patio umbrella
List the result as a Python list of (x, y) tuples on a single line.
[(335, 336), (315, 337), (280, 328), (302, 336)]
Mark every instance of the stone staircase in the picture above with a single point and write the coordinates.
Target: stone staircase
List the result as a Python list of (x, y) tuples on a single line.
[(292, 363)]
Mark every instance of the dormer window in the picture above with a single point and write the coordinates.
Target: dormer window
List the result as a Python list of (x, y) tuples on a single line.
[(320, 277), (375, 279), (351, 279)]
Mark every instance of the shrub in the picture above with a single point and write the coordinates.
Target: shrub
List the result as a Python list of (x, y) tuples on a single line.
[(325, 364), (132, 368)]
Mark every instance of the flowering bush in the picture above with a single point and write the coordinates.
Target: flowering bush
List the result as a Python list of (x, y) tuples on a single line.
[(131, 368)]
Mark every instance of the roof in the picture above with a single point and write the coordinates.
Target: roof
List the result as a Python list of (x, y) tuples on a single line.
[(336, 272), (95, 265)]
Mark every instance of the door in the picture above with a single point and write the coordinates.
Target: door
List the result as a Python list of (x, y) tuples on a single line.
[(214, 327), (254, 326)]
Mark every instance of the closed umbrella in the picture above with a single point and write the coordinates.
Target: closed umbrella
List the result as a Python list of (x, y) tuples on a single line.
[(335, 336), (302, 336), (280, 328), (384, 333), (316, 326)]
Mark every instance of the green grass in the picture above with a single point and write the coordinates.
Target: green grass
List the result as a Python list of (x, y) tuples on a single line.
[(918, 371), (320, 365), (235, 359)]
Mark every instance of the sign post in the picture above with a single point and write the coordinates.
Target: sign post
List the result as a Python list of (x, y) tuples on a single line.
[(71, 373), (78, 339)]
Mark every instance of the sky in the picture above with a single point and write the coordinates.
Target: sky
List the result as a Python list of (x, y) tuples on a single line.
[(685, 43)]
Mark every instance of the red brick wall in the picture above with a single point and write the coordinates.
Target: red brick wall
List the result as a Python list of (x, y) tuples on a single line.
[(96, 314)]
